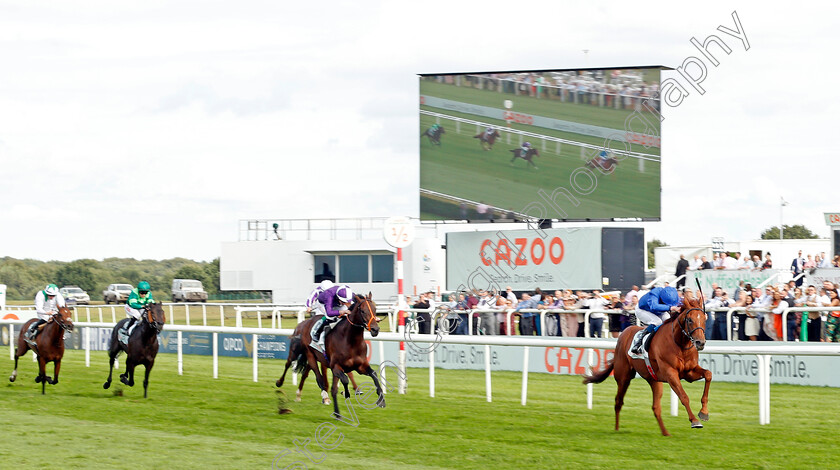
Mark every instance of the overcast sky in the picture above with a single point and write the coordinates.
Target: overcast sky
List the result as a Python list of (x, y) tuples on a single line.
[(148, 131)]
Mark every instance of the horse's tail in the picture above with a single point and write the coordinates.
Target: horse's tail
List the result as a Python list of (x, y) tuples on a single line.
[(601, 375), (296, 349)]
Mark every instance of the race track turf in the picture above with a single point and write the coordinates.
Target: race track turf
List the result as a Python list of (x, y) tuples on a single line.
[(194, 421)]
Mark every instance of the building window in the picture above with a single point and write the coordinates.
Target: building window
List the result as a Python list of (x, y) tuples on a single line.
[(324, 268), (382, 267), (353, 268)]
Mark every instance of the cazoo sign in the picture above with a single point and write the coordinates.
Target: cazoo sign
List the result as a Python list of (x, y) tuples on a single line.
[(524, 259)]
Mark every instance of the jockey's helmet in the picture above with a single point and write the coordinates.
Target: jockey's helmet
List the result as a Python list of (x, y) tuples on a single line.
[(527, 144), (51, 289), (326, 284), (143, 287), (344, 293), (669, 296)]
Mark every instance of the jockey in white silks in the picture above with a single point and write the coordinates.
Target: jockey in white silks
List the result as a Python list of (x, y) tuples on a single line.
[(47, 302)]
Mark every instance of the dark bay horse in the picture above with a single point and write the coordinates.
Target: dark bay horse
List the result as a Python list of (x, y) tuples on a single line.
[(142, 346), (296, 349), (434, 135), (527, 156), (673, 357), (49, 346), (487, 139), (346, 350)]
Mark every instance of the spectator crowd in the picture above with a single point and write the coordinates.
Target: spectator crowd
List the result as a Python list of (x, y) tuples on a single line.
[(758, 315)]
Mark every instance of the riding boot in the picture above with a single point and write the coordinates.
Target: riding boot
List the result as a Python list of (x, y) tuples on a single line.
[(128, 325), (637, 345), (33, 330), (316, 337)]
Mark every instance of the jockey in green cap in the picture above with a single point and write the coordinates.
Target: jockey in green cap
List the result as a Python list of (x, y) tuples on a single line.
[(137, 300)]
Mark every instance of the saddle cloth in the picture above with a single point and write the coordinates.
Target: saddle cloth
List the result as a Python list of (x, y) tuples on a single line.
[(645, 345), (317, 345), (123, 334)]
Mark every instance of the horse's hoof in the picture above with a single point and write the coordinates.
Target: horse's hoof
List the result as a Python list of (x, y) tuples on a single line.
[(38, 379), (124, 380), (278, 384), (53, 382), (703, 416), (106, 385), (697, 425), (326, 401), (380, 403), (297, 399), (12, 378), (337, 416)]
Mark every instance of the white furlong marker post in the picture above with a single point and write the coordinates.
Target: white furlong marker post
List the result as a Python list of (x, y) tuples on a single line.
[(399, 233)]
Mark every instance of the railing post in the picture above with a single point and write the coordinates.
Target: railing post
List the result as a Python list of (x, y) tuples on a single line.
[(432, 373), (784, 323), (215, 355), (524, 375), (487, 373), (86, 339), (12, 341), (256, 357), (204, 314), (180, 353)]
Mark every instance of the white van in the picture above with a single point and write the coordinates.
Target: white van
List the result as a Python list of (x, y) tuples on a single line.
[(188, 290)]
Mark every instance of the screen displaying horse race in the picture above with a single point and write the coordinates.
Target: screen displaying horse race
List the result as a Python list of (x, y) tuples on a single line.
[(572, 145)]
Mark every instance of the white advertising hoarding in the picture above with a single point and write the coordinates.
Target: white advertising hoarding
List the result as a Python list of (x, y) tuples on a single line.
[(524, 259)]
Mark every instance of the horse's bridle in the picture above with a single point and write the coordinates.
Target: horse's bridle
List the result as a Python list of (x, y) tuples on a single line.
[(685, 322), (59, 318), (370, 320), (150, 318)]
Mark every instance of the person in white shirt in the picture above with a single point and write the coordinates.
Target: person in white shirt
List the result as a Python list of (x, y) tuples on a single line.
[(695, 263), (489, 325), (728, 262), (47, 302), (510, 295), (596, 319)]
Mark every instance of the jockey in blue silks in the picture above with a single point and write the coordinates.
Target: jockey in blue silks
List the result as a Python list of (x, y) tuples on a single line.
[(332, 303), (654, 308)]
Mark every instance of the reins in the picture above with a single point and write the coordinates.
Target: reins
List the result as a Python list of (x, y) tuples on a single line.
[(370, 320)]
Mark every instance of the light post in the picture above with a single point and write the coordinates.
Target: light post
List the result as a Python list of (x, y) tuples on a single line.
[(781, 218)]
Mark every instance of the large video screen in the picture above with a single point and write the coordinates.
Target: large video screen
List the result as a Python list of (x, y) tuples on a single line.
[(573, 145)]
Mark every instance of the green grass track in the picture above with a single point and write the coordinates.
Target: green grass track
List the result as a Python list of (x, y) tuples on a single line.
[(195, 421)]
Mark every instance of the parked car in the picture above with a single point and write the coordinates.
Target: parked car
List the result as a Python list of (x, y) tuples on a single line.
[(74, 294), (188, 290), (117, 293)]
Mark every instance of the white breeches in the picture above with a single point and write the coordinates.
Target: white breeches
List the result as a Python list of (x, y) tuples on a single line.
[(651, 318), (133, 312)]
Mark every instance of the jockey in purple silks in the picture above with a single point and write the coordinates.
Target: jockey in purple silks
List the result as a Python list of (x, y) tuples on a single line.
[(331, 302)]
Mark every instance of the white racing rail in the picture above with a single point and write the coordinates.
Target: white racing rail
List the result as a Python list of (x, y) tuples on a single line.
[(762, 350)]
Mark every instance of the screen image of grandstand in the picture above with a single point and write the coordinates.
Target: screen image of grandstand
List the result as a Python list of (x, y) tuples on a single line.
[(571, 145)]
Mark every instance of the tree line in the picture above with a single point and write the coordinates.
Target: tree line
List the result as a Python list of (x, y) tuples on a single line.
[(25, 277)]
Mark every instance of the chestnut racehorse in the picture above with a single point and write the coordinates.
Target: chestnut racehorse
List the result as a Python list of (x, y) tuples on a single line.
[(673, 357), (487, 139), (49, 346)]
